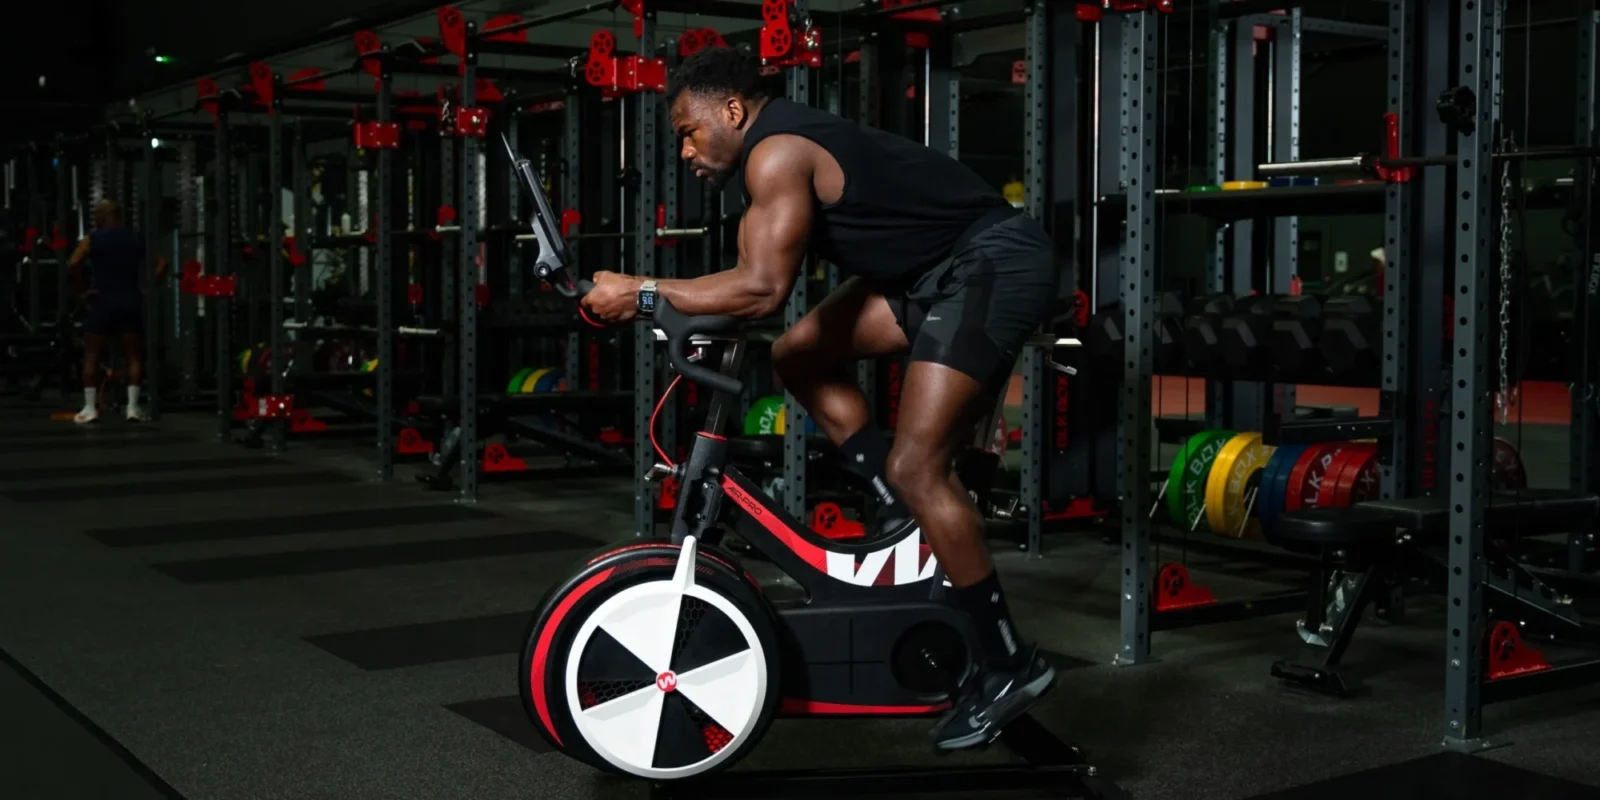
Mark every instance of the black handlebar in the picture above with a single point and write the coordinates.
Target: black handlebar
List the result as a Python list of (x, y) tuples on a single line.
[(551, 265)]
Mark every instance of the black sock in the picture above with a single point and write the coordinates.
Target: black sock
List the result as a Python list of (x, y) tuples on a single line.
[(1001, 646), (866, 456)]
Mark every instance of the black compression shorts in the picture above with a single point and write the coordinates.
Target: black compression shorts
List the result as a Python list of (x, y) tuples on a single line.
[(975, 311), (110, 314)]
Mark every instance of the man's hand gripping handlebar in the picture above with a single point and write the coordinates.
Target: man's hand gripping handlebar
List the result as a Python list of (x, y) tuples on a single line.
[(552, 266)]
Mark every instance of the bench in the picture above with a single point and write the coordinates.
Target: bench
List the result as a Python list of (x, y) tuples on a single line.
[(1361, 549)]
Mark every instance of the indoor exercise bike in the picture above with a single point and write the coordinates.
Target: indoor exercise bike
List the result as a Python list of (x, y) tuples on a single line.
[(664, 659)]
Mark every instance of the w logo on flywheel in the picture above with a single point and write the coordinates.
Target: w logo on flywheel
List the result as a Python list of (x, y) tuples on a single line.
[(906, 561)]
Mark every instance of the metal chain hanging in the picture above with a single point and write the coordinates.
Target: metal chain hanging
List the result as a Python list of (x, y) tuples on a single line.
[(1505, 396)]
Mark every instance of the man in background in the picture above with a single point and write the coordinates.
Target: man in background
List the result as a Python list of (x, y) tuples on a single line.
[(114, 304)]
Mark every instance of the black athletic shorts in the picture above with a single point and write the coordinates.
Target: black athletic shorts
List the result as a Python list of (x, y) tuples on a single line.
[(111, 315), (975, 310)]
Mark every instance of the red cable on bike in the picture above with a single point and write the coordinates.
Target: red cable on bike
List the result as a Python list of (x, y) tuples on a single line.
[(659, 405)]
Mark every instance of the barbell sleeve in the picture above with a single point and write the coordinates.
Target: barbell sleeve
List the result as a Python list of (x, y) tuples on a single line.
[(1319, 166), (681, 233)]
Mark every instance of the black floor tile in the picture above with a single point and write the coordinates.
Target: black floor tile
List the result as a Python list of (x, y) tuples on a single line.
[(241, 484), (1063, 662), (67, 430), (505, 716), (53, 750), (137, 468), (256, 527), (311, 562), (91, 442), (1444, 775), (429, 642)]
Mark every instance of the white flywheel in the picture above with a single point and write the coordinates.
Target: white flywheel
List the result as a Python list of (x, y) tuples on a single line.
[(665, 677)]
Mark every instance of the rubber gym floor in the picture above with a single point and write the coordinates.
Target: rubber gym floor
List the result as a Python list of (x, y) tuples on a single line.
[(180, 618)]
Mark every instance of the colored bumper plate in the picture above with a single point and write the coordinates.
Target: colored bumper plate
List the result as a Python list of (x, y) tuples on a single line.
[(514, 386), (1236, 186), (1186, 483), (1237, 470), (765, 417)]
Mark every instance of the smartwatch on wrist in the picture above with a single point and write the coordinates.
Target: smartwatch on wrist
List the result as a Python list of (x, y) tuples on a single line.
[(647, 299)]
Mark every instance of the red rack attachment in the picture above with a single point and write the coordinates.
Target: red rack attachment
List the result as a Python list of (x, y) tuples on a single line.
[(472, 122), (193, 282), (204, 88), (261, 81), (411, 443), (374, 135), (308, 79), (691, 42), (1391, 148), (504, 21), (274, 406), (780, 47), (917, 15), (1175, 591), (618, 76), (292, 251), (571, 218), (1507, 654), (497, 459), (367, 45), (1125, 6)]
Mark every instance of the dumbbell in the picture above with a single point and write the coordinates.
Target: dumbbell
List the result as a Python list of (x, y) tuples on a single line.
[(1246, 332), (1349, 341), (1202, 330), (1104, 337), (1296, 335)]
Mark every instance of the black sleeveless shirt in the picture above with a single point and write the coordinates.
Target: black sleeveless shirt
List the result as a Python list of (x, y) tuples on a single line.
[(116, 255), (904, 208)]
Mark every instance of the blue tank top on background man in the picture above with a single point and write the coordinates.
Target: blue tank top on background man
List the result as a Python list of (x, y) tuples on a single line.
[(115, 258)]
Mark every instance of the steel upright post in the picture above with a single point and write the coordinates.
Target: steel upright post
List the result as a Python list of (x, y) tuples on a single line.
[(1585, 412), (1138, 65), (668, 167), (222, 246), (274, 293), (155, 333), (1471, 429), (189, 225), (645, 349), (572, 198), (1285, 121), (1431, 210), (1402, 271), (64, 195), (303, 233), (470, 263), (383, 241), (798, 87), (1217, 110), (1035, 378)]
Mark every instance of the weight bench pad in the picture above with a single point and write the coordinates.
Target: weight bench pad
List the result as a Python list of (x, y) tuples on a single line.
[(1532, 512), (1339, 527)]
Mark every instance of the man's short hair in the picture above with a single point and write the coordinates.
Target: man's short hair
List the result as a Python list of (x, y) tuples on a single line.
[(724, 71)]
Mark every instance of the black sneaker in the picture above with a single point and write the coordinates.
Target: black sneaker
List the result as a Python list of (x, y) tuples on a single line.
[(999, 697)]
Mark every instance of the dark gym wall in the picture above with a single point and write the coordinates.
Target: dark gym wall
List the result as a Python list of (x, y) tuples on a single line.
[(69, 44), (198, 34)]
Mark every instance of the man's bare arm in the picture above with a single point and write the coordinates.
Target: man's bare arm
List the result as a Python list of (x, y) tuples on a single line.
[(773, 237), (80, 254)]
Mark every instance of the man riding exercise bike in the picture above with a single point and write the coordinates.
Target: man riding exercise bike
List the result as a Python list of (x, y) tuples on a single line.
[(944, 268)]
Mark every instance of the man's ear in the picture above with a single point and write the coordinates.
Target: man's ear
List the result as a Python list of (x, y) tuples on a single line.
[(736, 112)]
